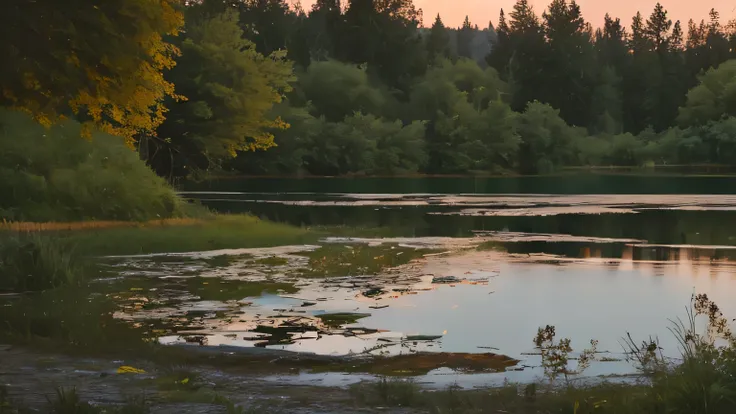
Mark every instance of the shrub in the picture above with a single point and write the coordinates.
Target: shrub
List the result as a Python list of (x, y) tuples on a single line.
[(56, 175)]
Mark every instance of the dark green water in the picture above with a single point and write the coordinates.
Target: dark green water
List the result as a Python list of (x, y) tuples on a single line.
[(678, 216), (570, 183)]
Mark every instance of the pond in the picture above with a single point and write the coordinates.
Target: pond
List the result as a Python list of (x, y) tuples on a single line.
[(456, 265)]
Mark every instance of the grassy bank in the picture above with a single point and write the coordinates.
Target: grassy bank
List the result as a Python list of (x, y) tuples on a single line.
[(162, 236), (40, 256), (218, 232)]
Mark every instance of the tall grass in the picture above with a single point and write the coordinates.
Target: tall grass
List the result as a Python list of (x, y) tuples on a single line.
[(29, 227), (56, 175), (33, 262)]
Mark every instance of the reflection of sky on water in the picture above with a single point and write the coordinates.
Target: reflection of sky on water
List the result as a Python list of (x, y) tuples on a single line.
[(603, 278), (588, 297)]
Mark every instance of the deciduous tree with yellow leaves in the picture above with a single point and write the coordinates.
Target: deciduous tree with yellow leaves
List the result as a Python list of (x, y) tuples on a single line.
[(99, 60)]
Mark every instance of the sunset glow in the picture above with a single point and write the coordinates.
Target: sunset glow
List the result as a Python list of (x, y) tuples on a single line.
[(482, 11)]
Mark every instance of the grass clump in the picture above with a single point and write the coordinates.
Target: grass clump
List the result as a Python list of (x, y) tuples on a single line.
[(33, 262), (53, 174), (392, 392), (68, 401)]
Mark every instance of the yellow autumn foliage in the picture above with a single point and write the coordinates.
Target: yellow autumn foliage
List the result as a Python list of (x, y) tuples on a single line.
[(102, 60)]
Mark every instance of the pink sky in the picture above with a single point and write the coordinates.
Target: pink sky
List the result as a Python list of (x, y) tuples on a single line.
[(481, 11)]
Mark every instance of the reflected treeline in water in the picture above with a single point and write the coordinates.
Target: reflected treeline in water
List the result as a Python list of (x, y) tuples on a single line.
[(572, 183), (701, 227), (698, 255)]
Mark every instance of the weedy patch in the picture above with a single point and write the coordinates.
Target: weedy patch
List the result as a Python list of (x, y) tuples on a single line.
[(335, 260), (392, 392), (34, 262)]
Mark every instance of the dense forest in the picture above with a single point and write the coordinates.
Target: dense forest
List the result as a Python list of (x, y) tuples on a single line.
[(363, 87)]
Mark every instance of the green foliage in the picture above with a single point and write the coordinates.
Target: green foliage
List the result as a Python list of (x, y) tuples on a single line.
[(376, 93), (34, 262), (359, 144), (713, 98), (547, 142), (469, 127), (230, 90), (438, 42), (54, 174), (336, 90)]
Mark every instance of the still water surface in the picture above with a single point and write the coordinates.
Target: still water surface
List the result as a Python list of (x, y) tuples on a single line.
[(597, 256)]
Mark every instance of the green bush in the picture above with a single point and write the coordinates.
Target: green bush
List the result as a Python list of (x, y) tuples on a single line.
[(56, 175)]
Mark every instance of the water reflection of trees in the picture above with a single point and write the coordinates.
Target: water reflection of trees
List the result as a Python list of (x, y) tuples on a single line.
[(669, 260), (654, 226)]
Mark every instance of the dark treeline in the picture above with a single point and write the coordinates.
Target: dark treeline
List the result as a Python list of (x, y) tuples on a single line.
[(377, 93)]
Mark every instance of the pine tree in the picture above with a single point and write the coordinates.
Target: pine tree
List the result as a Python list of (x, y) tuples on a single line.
[(529, 56), (523, 18), (464, 39), (324, 29), (438, 42), (694, 35), (501, 48), (676, 42), (658, 28), (570, 68), (638, 42), (714, 25)]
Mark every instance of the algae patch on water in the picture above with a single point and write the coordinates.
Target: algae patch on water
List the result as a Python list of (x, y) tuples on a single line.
[(337, 260), (224, 290)]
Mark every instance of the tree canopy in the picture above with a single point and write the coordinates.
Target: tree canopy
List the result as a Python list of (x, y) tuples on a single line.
[(363, 87)]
